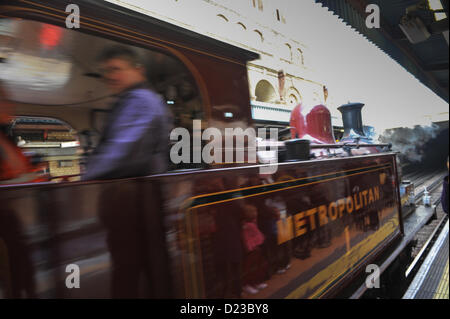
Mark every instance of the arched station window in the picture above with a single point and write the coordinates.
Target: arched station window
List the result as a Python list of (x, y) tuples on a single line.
[(286, 53), (300, 60), (293, 97), (265, 92), (222, 18), (241, 26)]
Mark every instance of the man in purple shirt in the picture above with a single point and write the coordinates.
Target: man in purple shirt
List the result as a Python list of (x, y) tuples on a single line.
[(135, 140)]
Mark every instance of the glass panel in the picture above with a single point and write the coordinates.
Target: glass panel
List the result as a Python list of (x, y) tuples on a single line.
[(42, 66)]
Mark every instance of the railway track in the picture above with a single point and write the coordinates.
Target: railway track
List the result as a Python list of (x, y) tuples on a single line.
[(426, 237), (401, 275), (431, 180)]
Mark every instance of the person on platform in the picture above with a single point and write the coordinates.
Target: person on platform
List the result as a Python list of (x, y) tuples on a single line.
[(15, 167), (255, 267), (135, 139), (17, 278)]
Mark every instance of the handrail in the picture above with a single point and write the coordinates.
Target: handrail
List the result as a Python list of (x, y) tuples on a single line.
[(357, 145)]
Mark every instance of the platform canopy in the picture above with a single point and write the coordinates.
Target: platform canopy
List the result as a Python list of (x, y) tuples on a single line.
[(426, 59)]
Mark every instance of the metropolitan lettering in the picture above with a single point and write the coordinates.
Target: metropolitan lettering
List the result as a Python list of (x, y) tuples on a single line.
[(310, 219)]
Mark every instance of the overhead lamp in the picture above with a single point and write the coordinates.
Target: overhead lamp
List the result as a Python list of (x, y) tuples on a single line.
[(436, 6)]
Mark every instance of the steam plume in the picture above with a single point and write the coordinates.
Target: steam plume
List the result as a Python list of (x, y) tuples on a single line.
[(410, 142)]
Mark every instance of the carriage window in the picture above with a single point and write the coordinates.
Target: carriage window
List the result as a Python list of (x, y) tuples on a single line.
[(47, 69)]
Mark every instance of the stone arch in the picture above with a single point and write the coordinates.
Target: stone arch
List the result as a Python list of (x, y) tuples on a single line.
[(293, 97), (265, 92), (241, 25), (223, 18), (259, 35), (300, 60), (287, 52)]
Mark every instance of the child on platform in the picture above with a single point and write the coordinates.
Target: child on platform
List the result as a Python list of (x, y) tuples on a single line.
[(254, 267)]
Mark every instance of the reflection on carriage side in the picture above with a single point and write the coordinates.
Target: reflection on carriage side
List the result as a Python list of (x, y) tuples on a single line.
[(36, 80)]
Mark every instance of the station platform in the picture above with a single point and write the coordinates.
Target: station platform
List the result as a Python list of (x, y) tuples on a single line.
[(432, 278), (412, 224)]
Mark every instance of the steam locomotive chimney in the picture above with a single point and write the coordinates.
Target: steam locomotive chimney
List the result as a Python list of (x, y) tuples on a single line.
[(352, 120)]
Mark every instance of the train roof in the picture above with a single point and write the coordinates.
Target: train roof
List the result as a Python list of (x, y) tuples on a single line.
[(121, 17)]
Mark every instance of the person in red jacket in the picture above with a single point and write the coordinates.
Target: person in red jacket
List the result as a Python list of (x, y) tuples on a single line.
[(14, 165)]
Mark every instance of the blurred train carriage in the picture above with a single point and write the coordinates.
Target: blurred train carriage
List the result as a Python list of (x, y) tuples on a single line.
[(319, 222)]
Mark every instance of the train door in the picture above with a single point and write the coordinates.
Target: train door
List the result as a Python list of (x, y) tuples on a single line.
[(51, 75)]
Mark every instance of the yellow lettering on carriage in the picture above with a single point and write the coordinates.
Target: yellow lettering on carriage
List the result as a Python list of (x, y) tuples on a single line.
[(299, 223), (332, 210), (285, 230), (371, 198), (323, 219), (349, 204), (312, 220), (341, 204), (364, 193), (302, 222), (376, 191)]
